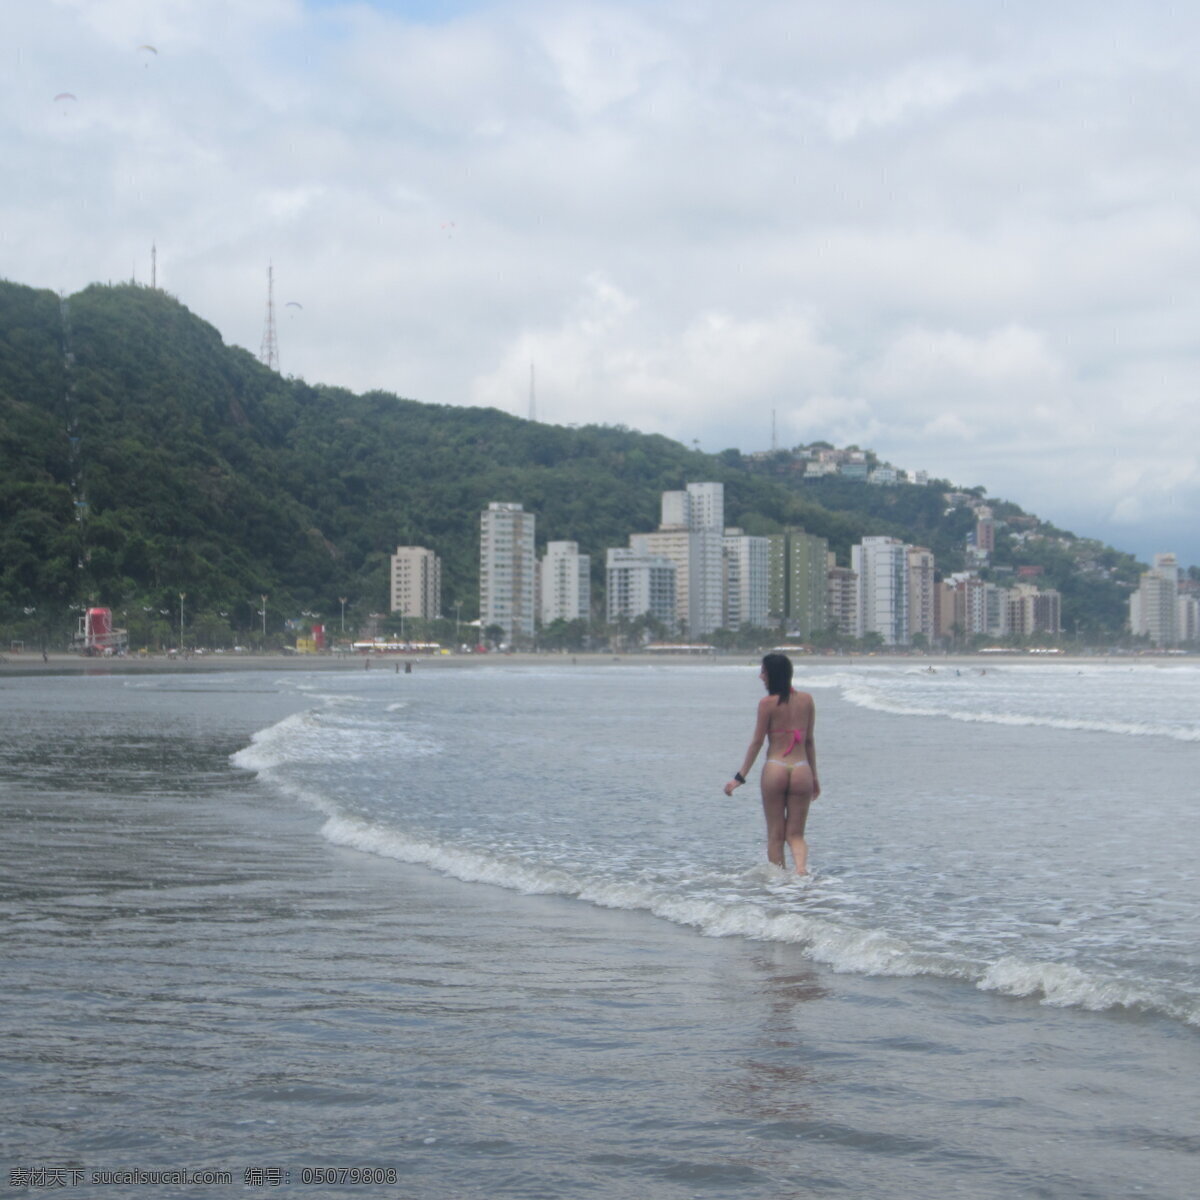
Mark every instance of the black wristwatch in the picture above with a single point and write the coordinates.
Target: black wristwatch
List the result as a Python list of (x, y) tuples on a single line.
[(739, 777)]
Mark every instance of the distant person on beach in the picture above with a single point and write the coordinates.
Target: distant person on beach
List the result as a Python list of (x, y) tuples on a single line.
[(789, 776)]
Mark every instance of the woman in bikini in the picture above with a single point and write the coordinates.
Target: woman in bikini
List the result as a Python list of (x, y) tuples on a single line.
[(789, 776)]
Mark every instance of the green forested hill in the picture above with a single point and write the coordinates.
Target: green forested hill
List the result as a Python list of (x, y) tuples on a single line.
[(140, 457)]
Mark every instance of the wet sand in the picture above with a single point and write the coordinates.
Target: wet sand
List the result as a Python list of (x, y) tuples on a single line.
[(134, 664)]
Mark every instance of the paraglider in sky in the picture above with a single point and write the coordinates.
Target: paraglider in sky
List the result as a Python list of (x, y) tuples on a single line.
[(293, 304), (65, 96), (152, 49)]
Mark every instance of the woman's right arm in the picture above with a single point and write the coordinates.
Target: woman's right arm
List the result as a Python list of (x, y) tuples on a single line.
[(756, 741)]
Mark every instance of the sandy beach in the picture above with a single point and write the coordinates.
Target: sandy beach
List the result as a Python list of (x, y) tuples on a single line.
[(59, 664)]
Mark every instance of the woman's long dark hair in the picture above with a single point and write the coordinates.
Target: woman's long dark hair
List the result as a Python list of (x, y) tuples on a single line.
[(779, 676)]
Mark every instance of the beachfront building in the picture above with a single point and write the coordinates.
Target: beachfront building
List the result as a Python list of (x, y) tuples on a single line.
[(980, 607), (1189, 617), (745, 579), (1034, 610), (416, 583), (945, 621), (922, 595), (1154, 607), (881, 564), (639, 585), (798, 591), (506, 570), (691, 535), (841, 592), (564, 583)]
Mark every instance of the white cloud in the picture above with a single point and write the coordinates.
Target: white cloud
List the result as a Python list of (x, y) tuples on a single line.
[(968, 240), (611, 359)]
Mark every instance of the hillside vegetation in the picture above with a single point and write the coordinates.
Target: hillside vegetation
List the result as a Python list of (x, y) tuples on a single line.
[(141, 458)]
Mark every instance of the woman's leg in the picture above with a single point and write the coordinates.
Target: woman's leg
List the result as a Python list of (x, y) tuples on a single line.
[(774, 783), (799, 797)]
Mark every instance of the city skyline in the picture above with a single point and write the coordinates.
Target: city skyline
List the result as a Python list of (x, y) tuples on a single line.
[(694, 576)]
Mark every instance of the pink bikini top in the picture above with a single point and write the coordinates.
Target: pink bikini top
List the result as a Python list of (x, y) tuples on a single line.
[(797, 737), (797, 740)]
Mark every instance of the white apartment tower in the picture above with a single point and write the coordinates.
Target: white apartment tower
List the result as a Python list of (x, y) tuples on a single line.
[(416, 583), (1189, 618), (1154, 607), (507, 570), (639, 584), (691, 535), (565, 577), (699, 506), (881, 564), (747, 575)]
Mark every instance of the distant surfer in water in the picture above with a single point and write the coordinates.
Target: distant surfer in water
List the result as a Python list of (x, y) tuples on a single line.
[(789, 776)]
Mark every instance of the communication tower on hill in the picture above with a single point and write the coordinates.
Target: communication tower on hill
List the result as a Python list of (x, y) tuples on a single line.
[(532, 396), (269, 350)]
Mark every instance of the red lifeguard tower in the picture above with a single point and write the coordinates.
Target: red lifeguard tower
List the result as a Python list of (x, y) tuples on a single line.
[(97, 636)]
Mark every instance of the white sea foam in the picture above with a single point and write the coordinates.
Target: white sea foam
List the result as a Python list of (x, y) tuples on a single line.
[(866, 696), (350, 762), (1062, 985), (317, 737), (275, 745), (842, 947), (472, 866)]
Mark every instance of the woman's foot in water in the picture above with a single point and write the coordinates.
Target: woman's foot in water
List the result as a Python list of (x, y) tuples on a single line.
[(799, 849)]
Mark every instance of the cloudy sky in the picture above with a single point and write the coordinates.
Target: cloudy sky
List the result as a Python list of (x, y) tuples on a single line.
[(964, 233)]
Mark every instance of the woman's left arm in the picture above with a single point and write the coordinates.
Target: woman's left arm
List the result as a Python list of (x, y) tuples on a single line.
[(810, 748)]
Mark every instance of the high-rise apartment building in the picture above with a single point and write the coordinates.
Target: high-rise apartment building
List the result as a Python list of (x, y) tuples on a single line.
[(416, 582), (980, 607), (691, 535), (698, 506), (1034, 610), (566, 584), (881, 564), (842, 593), (798, 591), (922, 595), (639, 584), (506, 570), (698, 555), (1154, 607), (1189, 617), (745, 575)]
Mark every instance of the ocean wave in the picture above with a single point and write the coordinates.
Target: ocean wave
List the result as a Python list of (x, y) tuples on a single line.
[(326, 736), (273, 746), (865, 696), (770, 917)]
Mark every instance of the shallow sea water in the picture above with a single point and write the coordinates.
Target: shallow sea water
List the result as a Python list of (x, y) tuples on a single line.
[(323, 945)]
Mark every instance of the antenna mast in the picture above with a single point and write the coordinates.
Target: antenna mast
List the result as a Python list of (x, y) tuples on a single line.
[(532, 396), (269, 350), (153, 267), (774, 444)]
